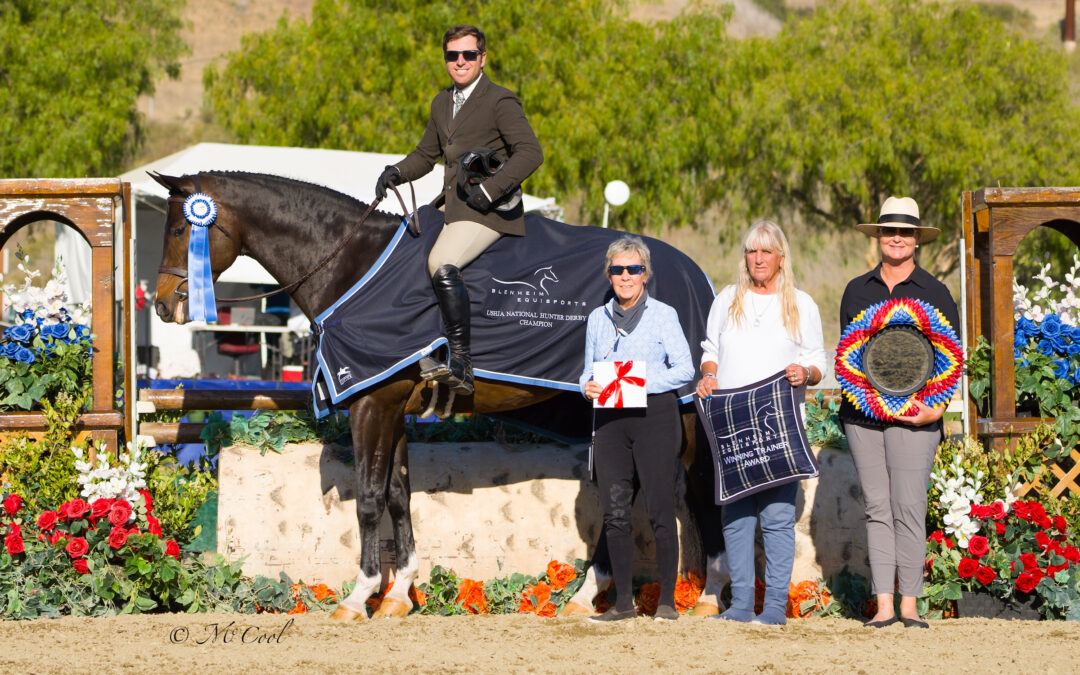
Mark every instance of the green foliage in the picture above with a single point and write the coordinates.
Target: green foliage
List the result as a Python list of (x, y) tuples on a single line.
[(44, 471), (267, 430), (823, 423), (70, 73), (62, 369), (861, 101), (179, 492), (442, 591)]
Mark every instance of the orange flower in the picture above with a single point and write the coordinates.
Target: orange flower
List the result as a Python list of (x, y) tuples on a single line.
[(471, 596), (686, 594), (800, 593), (541, 592), (525, 606), (322, 592), (547, 609), (299, 609), (560, 574), (417, 596), (648, 597)]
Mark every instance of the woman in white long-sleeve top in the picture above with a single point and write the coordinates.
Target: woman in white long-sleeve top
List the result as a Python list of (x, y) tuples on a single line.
[(636, 327), (757, 327)]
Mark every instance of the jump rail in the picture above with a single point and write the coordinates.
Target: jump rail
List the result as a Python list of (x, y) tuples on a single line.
[(153, 400)]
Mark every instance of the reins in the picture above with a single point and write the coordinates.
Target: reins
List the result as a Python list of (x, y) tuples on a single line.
[(411, 217)]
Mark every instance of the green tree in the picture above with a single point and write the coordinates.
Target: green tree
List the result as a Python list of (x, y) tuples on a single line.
[(70, 73), (862, 101), (608, 97)]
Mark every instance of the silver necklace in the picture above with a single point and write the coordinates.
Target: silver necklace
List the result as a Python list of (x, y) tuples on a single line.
[(759, 313)]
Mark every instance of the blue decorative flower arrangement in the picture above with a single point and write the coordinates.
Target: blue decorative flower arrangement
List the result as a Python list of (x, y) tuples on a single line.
[(39, 359)]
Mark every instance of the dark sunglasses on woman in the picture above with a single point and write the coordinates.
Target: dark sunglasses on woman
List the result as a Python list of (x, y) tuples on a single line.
[(617, 270), (452, 55)]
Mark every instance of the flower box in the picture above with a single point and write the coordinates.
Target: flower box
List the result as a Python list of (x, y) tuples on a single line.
[(986, 606)]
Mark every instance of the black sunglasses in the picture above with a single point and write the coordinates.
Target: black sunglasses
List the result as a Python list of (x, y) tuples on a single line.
[(617, 270), (893, 231), (451, 55)]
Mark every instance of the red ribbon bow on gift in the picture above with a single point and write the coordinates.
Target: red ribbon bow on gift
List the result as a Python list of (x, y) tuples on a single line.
[(615, 387)]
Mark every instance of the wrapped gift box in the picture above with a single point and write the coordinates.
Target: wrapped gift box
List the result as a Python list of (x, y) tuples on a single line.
[(623, 383)]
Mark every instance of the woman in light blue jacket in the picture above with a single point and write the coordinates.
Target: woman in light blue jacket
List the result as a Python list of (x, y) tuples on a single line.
[(636, 327)]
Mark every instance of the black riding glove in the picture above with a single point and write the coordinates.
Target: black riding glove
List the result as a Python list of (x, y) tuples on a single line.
[(390, 176), (478, 201)]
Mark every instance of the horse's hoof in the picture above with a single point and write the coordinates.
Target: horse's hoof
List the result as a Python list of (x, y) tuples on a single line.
[(343, 613), (705, 609), (391, 607), (571, 608)]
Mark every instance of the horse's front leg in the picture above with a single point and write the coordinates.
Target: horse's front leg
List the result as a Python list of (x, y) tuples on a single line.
[(373, 446), (396, 602)]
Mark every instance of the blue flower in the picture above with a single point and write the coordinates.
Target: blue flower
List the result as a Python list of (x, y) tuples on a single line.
[(25, 355), (1060, 344), (1061, 368), (1074, 348), (27, 314), (1051, 326), (1045, 348), (58, 331), (1076, 375), (22, 332), (10, 349)]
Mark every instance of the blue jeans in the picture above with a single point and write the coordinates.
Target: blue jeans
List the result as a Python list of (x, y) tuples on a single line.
[(775, 510)]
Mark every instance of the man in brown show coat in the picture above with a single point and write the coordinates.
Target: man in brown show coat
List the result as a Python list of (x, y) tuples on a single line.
[(473, 114)]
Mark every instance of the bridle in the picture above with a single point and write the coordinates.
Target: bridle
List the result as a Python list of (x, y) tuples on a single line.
[(182, 272)]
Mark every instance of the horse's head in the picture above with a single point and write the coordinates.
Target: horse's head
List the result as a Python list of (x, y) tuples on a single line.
[(225, 237)]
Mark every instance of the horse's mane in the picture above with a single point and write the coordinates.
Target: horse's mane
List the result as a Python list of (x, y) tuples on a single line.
[(283, 185)]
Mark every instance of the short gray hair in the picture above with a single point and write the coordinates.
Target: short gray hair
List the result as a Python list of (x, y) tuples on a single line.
[(628, 244)]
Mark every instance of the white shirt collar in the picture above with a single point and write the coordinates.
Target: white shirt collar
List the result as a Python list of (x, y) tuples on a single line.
[(469, 89)]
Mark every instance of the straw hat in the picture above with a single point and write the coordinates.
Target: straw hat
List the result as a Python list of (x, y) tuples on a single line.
[(900, 212)]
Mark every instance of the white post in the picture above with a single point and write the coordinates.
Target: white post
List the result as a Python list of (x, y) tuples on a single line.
[(606, 209)]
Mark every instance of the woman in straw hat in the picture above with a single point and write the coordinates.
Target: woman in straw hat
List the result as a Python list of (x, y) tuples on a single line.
[(758, 326), (894, 459)]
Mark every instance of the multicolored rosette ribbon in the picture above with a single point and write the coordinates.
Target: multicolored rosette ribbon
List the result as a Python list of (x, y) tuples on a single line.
[(201, 211), (948, 357)]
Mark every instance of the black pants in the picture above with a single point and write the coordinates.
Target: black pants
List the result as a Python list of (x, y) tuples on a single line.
[(645, 440)]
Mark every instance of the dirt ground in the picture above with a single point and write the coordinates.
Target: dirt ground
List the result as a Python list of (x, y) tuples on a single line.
[(522, 643)]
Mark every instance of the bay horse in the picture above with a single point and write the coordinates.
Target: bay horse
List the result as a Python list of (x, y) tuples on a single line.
[(291, 227)]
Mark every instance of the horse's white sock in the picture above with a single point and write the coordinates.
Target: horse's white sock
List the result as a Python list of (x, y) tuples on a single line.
[(403, 580), (365, 587), (717, 575), (595, 581)]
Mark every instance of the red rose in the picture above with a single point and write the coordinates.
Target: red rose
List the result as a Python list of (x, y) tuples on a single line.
[(1042, 540), (1054, 569), (997, 510), (76, 508), (985, 575), (1059, 524), (118, 537), (976, 511), (937, 537), (949, 543), (12, 504), (1072, 554), (81, 567), (1029, 561), (61, 512), (77, 547), (153, 526), (1025, 583), (1044, 522), (47, 520), (120, 513), (148, 499), (56, 535), (1036, 510), (1037, 574), (173, 549), (100, 508), (967, 568), (1000, 527), (978, 546), (14, 543)]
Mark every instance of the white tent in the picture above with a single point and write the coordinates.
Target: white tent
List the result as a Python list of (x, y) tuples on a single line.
[(353, 173)]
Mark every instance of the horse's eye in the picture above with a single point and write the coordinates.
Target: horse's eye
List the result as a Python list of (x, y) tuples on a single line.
[(177, 231)]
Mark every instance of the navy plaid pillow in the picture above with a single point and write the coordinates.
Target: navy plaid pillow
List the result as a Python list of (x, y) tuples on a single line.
[(757, 436)]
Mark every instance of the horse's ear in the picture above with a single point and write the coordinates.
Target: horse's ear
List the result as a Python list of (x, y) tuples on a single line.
[(170, 183)]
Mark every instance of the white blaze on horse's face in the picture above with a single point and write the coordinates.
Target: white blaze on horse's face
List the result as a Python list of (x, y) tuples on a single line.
[(463, 72), (628, 287)]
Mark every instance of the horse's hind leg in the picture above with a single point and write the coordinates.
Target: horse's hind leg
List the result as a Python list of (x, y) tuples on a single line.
[(373, 433), (396, 602)]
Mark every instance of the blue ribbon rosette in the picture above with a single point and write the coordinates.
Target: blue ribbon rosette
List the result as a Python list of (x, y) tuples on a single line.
[(201, 212)]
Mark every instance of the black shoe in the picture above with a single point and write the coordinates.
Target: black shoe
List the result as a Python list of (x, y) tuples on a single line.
[(913, 623), (666, 613), (453, 299), (883, 623), (615, 615)]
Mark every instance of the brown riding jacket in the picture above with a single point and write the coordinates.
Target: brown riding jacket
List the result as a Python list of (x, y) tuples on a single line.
[(492, 117)]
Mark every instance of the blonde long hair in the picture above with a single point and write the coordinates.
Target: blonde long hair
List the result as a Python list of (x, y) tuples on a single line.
[(767, 234)]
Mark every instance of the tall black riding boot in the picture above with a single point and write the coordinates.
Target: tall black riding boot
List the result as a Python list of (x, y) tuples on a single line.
[(453, 299)]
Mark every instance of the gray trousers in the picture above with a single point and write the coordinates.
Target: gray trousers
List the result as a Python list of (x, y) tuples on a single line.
[(894, 465)]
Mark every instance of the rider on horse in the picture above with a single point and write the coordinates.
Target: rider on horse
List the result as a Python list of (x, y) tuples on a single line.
[(480, 130)]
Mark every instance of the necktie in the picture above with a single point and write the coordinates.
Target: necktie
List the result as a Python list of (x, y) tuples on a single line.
[(459, 100)]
